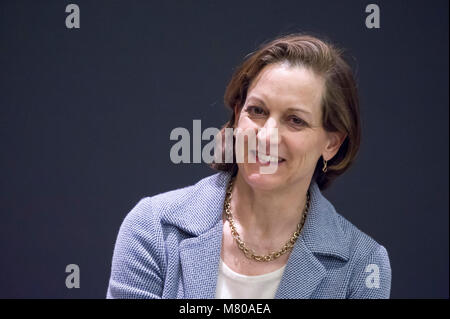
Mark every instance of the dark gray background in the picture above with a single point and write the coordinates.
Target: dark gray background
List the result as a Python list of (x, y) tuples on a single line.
[(85, 118)]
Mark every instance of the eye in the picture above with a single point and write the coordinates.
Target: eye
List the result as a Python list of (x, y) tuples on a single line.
[(296, 120), (255, 110)]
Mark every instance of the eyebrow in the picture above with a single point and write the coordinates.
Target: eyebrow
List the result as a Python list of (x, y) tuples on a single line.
[(289, 109), (299, 110)]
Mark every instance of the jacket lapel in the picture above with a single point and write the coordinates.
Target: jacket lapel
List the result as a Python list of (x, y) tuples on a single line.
[(200, 258), (321, 235), (302, 274), (200, 254)]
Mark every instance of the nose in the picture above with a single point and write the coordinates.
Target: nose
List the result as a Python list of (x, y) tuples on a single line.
[(268, 137)]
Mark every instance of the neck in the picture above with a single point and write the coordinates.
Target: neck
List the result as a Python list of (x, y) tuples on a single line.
[(270, 215)]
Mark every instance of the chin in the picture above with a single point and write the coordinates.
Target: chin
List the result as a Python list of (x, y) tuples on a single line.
[(252, 174)]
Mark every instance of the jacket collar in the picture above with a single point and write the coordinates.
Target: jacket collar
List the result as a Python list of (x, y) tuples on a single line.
[(200, 254)]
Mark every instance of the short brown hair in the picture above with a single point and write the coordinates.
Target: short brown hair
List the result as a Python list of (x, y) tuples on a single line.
[(340, 103)]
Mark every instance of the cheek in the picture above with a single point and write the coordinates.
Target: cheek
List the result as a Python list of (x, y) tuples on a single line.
[(302, 149), (244, 122)]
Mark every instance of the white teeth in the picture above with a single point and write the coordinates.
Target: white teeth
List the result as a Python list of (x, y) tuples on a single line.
[(265, 158)]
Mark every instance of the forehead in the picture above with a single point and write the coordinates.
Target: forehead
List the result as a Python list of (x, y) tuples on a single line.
[(281, 85)]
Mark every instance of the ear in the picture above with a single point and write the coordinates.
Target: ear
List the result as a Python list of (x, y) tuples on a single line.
[(334, 142)]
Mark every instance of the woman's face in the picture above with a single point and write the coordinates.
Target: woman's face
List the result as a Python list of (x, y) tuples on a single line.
[(286, 101)]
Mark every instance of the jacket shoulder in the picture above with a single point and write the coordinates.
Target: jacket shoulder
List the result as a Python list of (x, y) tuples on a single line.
[(178, 200), (371, 269), (361, 242), (199, 202)]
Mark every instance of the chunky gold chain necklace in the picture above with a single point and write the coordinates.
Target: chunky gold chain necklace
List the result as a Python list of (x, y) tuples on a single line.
[(249, 253)]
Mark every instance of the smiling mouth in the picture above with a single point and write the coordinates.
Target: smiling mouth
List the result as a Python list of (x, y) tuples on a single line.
[(266, 159)]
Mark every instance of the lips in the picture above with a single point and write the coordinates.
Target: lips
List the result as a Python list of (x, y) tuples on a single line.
[(266, 159)]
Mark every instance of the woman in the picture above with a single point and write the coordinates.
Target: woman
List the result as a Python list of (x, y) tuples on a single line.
[(243, 234)]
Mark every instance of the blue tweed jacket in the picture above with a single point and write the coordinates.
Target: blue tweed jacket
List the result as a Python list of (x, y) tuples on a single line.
[(169, 246)]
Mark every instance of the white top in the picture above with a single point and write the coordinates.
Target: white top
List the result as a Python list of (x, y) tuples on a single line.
[(232, 285)]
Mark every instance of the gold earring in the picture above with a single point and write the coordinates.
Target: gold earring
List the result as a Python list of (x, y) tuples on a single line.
[(324, 169)]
